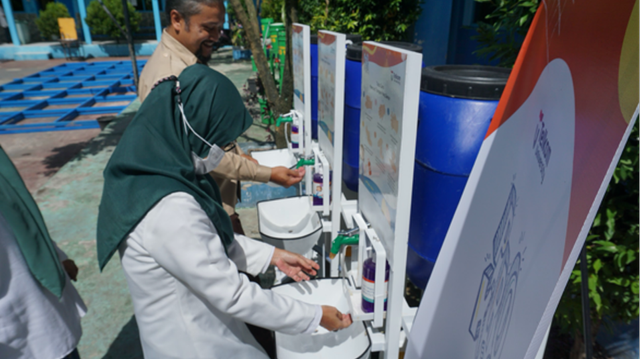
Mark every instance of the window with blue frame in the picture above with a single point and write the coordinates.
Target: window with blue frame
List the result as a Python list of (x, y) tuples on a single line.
[(146, 5)]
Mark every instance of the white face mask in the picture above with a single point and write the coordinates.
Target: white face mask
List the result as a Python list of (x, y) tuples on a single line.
[(203, 165)]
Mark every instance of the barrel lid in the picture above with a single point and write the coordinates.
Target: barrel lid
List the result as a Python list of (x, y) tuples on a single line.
[(473, 82), (354, 51), (353, 37)]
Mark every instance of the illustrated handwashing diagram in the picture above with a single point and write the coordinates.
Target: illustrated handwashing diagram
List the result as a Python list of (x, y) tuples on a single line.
[(497, 290)]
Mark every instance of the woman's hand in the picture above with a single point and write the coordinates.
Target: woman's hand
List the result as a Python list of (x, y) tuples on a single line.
[(333, 320), (294, 265)]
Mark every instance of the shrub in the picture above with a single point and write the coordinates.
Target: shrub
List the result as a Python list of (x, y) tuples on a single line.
[(238, 36), (612, 253), (501, 34), (375, 20), (101, 24), (47, 22), (273, 9)]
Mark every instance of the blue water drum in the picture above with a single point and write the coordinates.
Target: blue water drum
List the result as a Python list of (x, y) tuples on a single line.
[(314, 80), (352, 94), (457, 103)]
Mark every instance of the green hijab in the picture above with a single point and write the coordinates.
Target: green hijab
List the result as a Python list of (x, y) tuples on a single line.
[(25, 220), (153, 158)]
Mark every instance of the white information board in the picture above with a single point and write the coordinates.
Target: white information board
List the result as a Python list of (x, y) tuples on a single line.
[(298, 51), (331, 79), (331, 47), (507, 226), (301, 49), (388, 123)]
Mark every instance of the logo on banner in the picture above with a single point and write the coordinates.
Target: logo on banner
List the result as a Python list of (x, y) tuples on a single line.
[(496, 294), (541, 147), (396, 78)]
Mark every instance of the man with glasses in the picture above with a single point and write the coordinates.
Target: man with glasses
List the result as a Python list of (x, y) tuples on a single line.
[(195, 26)]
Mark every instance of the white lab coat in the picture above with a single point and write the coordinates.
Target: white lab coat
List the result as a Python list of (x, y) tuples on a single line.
[(188, 297), (34, 323)]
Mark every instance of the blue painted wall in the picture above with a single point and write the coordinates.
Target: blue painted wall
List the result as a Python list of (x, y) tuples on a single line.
[(462, 29), (432, 31), (42, 52), (445, 29), (30, 6)]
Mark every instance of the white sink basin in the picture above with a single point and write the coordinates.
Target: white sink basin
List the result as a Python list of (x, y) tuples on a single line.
[(275, 158), (350, 343), (289, 223)]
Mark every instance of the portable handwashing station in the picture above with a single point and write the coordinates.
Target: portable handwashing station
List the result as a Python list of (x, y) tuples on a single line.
[(378, 231), (292, 223), (298, 223)]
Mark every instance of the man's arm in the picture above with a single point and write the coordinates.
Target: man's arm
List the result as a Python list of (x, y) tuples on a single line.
[(237, 167)]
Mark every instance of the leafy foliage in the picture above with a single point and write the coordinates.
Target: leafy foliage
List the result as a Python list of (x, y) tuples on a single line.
[(47, 22), (101, 24), (373, 19), (273, 9), (612, 252), (238, 37), (501, 34)]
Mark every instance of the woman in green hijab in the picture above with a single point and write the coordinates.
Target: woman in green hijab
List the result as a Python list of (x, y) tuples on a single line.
[(162, 211), (40, 310)]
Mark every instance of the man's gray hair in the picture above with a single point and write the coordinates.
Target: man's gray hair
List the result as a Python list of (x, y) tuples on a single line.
[(187, 8)]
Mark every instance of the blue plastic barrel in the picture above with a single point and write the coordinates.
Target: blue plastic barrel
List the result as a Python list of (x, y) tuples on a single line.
[(314, 80), (457, 103), (352, 94)]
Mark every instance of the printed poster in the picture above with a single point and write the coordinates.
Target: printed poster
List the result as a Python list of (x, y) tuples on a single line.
[(545, 163), (297, 43), (327, 91), (383, 84)]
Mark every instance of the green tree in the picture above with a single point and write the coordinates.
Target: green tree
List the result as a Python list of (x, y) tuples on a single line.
[(245, 13), (375, 20), (47, 22), (272, 9), (101, 24), (501, 33)]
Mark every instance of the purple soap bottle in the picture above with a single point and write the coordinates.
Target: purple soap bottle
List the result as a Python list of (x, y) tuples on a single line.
[(368, 280), (318, 186), (295, 136), (317, 189)]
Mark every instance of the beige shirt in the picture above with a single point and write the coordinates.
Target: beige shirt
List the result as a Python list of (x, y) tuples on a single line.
[(170, 58)]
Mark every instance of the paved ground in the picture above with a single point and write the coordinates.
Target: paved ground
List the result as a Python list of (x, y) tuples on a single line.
[(64, 171), (38, 156)]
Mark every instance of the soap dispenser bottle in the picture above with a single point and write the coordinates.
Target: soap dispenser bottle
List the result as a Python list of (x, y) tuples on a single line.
[(318, 181), (368, 281)]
